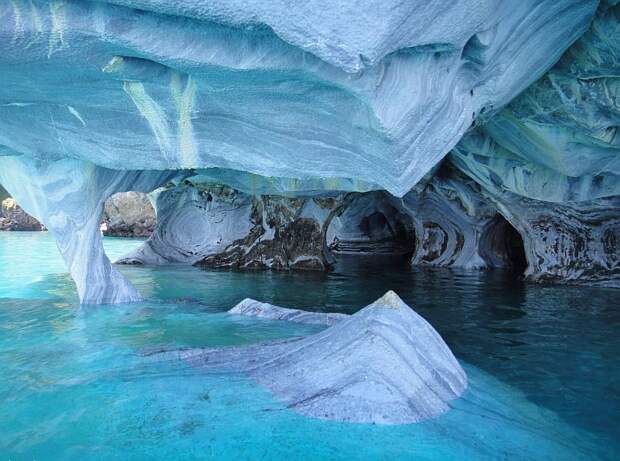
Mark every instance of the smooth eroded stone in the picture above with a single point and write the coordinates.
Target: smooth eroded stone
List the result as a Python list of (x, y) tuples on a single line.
[(252, 308), (383, 365)]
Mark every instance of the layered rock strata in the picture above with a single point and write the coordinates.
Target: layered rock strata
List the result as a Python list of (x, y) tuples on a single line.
[(215, 226), (299, 106), (252, 308), (384, 365)]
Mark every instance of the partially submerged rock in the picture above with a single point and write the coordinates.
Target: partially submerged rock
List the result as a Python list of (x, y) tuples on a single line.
[(383, 365), (252, 308)]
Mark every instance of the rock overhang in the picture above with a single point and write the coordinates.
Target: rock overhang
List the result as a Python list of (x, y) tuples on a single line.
[(251, 90)]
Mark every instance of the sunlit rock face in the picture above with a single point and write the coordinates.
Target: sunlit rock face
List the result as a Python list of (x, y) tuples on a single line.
[(128, 214), (252, 308), (376, 91), (14, 218), (384, 365)]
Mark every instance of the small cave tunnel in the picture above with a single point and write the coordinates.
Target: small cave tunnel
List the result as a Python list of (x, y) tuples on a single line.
[(373, 229), (502, 246)]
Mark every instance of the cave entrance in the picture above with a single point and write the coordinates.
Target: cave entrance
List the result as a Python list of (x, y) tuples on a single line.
[(502, 246), (372, 230)]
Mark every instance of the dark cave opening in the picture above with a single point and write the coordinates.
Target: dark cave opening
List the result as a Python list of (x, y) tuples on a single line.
[(501, 245), (373, 232)]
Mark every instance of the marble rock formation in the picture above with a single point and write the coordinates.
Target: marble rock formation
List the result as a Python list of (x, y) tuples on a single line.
[(374, 90), (67, 196), (384, 364), (128, 214), (550, 161), (450, 216), (372, 223), (216, 226), (316, 100), (252, 308), (14, 218), (574, 242), (456, 225)]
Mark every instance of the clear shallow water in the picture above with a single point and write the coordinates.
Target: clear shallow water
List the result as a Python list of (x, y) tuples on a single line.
[(75, 384)]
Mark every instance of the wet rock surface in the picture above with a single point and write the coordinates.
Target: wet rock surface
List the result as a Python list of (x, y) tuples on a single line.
[(384, 365), (252, 308)]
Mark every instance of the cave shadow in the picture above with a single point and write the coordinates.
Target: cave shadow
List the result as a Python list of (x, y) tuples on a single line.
[(501, 246), (373, 233)]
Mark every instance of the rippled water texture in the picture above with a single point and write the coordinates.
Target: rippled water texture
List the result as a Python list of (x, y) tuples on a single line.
[(75, 383)]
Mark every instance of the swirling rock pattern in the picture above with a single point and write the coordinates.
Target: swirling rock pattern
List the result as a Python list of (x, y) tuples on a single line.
[(384, 365), (307, 103), (578, 243), (215, 226), (372, 223), (67, 196), (378, 91), (252, 308), (450, 216)]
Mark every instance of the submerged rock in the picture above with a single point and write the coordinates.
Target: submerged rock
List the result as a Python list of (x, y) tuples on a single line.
[(252, 308), (383, 365)]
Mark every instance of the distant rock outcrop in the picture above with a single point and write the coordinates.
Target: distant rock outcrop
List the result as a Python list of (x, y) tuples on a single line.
[(128, 214), (13, 218), (383, 365)]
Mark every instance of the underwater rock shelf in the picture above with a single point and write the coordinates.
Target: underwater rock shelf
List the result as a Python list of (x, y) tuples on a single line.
[(384, 364)]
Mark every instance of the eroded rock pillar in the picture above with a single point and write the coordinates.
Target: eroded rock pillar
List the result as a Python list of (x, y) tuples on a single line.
[(68, 196)]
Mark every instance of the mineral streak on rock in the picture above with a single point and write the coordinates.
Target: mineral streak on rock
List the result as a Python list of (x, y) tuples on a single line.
[(572, 243), (297, 106), (216, 226), (383, 365), (374, 90), (252, 308)]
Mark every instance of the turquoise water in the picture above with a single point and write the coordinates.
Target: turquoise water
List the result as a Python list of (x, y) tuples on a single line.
[(76, 383)]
